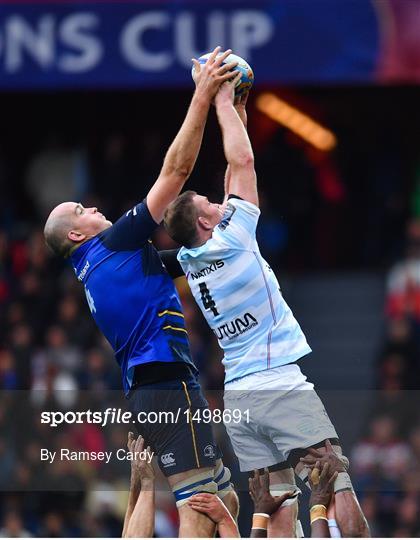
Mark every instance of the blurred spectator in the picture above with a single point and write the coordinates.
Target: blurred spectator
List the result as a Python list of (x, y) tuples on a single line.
[(59, 351), (382, 452), (397, 373), (53, 526), (8, 375), (112, 174), (403, 287), (13, 527), (55, 174)]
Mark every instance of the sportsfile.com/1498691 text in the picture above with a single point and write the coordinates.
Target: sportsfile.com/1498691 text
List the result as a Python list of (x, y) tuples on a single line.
[(118, 416)]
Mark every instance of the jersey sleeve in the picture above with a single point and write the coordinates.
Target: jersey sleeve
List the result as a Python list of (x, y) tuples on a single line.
[(239, 224), (131, 231)]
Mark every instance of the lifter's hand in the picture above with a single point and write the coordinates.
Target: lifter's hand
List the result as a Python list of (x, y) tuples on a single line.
[(322, 485), (142, 472), (259, 489), (210, 505), (331, 457), (135, 476), (209, 76)]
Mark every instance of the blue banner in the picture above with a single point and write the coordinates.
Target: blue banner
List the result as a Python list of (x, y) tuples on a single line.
[(50, 45)]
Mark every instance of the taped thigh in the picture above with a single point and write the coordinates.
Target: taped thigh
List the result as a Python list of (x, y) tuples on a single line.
[(199, 483), (222, 478)]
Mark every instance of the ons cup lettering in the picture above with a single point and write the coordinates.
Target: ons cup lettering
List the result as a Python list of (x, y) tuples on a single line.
[(76, 43)]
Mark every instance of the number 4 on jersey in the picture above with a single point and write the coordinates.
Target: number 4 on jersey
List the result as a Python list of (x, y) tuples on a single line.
[(90, 301), (206, 298)]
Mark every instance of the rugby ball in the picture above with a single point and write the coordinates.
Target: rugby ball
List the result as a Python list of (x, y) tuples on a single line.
[(247, 78)]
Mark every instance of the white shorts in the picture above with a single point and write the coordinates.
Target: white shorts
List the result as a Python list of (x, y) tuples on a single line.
[(284, 414)]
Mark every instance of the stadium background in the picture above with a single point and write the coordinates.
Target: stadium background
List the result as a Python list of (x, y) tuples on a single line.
[(340, 228)]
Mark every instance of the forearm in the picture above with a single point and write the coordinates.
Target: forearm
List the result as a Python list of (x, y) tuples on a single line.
[(236, 143), (183, 152), (132, 500), (318, 515), (349, 515), (319, 529), (142, 521), (258, 533), (243, 116), (238, 152), (180, 158), (227, 528)]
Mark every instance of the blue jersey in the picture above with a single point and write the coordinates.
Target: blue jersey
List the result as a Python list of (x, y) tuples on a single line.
[(131, 295)]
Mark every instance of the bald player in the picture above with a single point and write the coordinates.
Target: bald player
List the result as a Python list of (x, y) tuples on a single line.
[(134, 302)]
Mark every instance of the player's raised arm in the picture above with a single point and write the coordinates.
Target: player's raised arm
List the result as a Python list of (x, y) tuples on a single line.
[(139, 520), (182, 154), (240, 177), (240, 106)]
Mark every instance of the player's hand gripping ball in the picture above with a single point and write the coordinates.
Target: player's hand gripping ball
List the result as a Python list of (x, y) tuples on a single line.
[(247, 75)]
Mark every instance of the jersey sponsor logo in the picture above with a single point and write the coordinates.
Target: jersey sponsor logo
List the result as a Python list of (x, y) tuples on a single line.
[(82, 274), (235, 328), (134, 210), (209, 451), (227, 216), (168, 460), (207, 270)]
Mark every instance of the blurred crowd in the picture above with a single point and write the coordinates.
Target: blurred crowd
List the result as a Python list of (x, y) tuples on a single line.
[(52, 357), (386, 462)]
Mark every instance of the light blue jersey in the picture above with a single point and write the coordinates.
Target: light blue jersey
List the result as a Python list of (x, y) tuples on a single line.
[(240, 296)]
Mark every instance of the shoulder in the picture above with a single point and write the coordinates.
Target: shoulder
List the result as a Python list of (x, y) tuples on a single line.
[(139, 213), (238, 225), (131, 230), (240, 212), (236, 202)]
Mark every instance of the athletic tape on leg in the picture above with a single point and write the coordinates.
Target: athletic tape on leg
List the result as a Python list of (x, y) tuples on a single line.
[(277, 490), (199, 483), (222, 478), (345, 461), (343, 483)]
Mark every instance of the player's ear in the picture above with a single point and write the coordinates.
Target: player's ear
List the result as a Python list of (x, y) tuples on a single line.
[(76, 236), (204, 223)]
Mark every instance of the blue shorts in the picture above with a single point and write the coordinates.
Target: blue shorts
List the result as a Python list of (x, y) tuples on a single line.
[(179, 442)]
